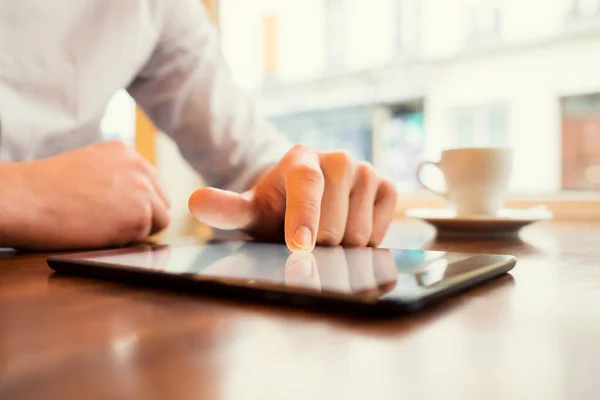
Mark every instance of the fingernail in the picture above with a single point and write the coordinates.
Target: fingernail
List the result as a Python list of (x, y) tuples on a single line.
[(303, 238)]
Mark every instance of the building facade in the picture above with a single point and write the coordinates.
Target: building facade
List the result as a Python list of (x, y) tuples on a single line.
[(396, 81)]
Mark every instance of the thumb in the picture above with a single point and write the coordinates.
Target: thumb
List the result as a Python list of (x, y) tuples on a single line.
[(222, 209)]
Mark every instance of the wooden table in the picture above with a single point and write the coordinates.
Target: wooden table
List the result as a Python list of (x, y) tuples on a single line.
[(535, 336)]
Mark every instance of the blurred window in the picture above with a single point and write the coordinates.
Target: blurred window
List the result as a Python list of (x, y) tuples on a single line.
[(335, 34), (586, 8), (481, 126), (581, 142), (483, 19), (408, 13)]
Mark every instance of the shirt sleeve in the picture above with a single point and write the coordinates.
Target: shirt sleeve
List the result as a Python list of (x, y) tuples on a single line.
[(187, 90)]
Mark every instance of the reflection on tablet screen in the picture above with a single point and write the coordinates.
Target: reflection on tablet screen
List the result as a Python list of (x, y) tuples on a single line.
[(402, 273)]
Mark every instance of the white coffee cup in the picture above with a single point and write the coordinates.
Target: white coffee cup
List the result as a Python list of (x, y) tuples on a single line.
[(477, 179)]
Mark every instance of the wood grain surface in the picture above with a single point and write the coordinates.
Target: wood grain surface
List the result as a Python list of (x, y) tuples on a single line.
[(532, 335)]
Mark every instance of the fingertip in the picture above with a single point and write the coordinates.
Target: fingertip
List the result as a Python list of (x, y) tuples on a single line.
[(294, 248), (197, 199), (301, 239), (203, 197), (193, 200)]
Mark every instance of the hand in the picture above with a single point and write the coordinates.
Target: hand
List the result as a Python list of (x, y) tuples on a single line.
[(102, 195), (308, 198)]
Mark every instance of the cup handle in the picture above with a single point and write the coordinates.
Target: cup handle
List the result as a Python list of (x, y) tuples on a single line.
[(423, 184)]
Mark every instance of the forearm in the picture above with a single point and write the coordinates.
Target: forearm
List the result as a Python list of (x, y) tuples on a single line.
[(15, 206)]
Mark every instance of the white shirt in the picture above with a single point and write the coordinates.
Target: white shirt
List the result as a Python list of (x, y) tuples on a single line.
[(61, 61)]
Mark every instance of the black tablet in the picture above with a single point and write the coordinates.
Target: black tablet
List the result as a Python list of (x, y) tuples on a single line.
[(372, 280)]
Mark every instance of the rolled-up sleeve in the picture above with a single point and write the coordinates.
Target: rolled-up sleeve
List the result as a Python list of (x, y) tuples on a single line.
[(187, 90)]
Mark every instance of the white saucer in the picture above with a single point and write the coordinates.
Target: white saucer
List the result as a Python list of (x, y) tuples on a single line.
[(506, 224)]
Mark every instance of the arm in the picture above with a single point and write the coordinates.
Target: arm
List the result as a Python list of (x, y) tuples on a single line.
[(187, 90), (13, 225)]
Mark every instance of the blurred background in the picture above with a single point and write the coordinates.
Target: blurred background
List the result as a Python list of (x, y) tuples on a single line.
[(397, 81)]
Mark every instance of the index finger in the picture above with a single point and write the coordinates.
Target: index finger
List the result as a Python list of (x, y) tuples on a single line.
[(304, 184)]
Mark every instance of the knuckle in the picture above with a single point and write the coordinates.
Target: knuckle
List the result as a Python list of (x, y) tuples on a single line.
[(338, 164), (299, 150), (388, 189), (365, 168), (167, 221), (136, 160), (139, 223), (365, 172), (145, 167), (306, 207), (145, 164), (163, 223), (341, 159), (299, 147), (143, 218), (140, 184), (116, 145), (308, 174)]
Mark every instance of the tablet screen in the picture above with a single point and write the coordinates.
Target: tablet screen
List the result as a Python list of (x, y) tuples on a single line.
[(404, 274)]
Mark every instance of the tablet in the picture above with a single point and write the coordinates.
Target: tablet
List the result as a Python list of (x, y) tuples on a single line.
[(372, 280)]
